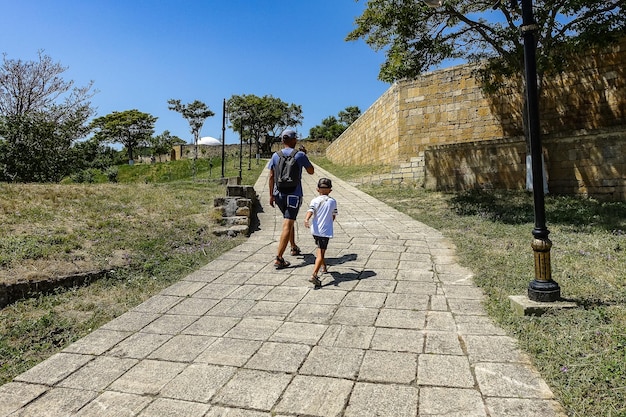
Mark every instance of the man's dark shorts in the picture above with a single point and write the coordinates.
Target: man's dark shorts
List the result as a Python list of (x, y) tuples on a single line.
[(321, 242), (289, 205)]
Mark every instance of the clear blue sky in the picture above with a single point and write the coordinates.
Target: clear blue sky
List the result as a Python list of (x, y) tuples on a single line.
[(140, 53)]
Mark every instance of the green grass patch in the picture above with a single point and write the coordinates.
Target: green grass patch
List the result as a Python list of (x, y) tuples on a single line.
[(149, 228)]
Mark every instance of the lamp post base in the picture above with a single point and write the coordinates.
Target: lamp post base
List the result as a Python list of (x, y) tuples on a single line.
[(544, 291)]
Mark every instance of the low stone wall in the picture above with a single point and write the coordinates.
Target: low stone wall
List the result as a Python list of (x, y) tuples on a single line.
[(234, 212), (10, 293)]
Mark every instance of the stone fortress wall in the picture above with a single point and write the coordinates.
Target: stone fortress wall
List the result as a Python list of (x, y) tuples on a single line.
[(445, 133)]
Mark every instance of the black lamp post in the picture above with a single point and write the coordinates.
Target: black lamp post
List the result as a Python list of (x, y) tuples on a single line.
[(223, 138), (240, 151), (542, 288)]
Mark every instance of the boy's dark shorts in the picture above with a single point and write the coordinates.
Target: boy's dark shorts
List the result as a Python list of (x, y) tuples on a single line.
[(321, 242), (289, 205)]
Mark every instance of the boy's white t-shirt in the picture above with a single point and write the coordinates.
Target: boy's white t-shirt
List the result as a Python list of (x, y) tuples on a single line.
[(323, 208)]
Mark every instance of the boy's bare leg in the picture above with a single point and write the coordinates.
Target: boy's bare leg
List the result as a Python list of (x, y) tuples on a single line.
[(319, 261)]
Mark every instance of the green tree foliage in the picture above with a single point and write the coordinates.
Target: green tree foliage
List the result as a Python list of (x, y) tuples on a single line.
[(130, 128), (349, 115), (332, 127), (41, 116), (162, 144), (257, 118), (195, 113), (416, 38)]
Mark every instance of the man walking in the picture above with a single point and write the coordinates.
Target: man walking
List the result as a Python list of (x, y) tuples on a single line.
[(288, 202)]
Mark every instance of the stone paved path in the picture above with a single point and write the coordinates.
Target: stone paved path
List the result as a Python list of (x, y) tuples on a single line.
[(396, 330)]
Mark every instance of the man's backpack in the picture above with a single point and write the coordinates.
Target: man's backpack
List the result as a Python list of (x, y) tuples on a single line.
[(287, 172)]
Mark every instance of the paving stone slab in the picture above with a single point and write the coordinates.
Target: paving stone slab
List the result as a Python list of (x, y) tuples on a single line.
[(227, 351), (162, 407), (364, 299), (251, 292), (232, 307), (97, 342), (182, 348), (193, 307), (440, 320), (148, 377), (217, 291), (183, 288), (16, 394), (494, 349), (198, 382), (252, 328), (54, 369), (312, 313), (404, 319), (348, 336), (139, 345), (286, 294), (306, 333), (388, 367), (334, 362), (451, 402), (58, 402), (398, 340), (212, 325), (477, 325), (131, 321), (315, 396), (158, 304), (98, 374), (355, 316), (447, 371), (521, 407), (510, 380), (443, 343), (279, 357), (407, 301), (113, 404), (169, 324), (252, 389), (375, 400), (271, 309)]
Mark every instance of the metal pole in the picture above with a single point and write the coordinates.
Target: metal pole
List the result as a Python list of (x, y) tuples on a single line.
[(542, 288), (250, 155), (240, 151), (223, 137)]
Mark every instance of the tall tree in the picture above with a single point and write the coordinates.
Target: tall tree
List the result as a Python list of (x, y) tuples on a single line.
[(332, 127), (195, 113), (416, 38), (349, 115), (41, 116), (130, 128), (162, 144), (259, 118)]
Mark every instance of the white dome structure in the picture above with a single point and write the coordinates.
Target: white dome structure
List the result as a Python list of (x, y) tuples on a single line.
[(208, 140)]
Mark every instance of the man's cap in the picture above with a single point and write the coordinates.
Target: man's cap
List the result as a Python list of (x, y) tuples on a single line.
[(288, 134), (324, 183)]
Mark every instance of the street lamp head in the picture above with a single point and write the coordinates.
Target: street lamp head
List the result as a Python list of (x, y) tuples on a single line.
[(433, 3)]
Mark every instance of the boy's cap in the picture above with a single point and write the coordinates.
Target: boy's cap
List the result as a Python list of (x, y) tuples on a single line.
[(288, 134), (324, 183)]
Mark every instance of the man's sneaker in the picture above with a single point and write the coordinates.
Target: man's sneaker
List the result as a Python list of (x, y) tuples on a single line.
[(315, 280), (295, 251)]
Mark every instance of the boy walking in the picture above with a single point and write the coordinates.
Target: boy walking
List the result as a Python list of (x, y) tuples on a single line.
[(319, 218)]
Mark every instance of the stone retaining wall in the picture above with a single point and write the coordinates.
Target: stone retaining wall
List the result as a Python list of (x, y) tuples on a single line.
[(470, 139)]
